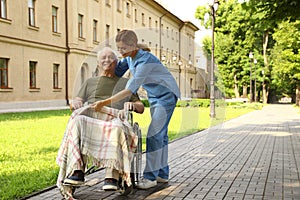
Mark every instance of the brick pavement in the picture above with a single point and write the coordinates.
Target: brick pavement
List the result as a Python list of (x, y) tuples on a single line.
[(255, 156)]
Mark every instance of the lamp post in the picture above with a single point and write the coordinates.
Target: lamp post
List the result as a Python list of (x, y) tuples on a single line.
[(214, 6), (255, 97), (250, 60)]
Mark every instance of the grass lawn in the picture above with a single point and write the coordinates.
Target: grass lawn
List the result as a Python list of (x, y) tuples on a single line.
[(30, 141)]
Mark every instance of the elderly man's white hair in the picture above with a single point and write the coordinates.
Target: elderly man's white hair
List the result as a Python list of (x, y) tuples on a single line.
[(105, 49)]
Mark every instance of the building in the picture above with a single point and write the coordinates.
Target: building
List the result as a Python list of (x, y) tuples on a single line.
[(48, 48)]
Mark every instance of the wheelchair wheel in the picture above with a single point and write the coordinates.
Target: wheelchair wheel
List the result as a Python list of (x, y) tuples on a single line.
[(136, 165), (139, 152), (67, 192), (124, 189)]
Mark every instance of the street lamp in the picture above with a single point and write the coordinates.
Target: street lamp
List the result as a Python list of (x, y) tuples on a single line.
[(255, 97), (174, 58), (213, 4), (250, 60)]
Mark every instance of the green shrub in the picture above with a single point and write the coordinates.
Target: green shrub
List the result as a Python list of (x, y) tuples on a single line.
[(234, 103), (182, 103), (145, 102)]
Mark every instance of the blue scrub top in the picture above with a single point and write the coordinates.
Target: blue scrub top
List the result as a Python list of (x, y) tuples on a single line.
[(152, 75)]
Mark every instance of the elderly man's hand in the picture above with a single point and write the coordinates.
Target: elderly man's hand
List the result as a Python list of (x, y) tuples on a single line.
[(76, 103), (97, 105)]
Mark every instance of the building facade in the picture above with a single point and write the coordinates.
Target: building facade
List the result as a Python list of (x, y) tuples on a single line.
[(48, 48)]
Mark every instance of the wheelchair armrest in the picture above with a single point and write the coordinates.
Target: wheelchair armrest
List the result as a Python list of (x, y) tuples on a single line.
[(129, 117)]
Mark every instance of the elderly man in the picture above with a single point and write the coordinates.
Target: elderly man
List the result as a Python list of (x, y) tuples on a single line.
[(98, 135)]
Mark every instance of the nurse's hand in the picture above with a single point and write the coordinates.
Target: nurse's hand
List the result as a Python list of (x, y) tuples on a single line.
[(129, 106), (97, 105)]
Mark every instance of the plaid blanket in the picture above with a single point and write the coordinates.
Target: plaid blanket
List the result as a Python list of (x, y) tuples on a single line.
[(101, 136)]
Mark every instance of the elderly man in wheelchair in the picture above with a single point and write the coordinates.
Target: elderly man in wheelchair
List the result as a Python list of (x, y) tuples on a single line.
[(104, 137)]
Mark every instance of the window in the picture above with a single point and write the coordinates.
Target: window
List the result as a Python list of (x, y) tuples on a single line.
[(128, 9), (167, 54), (135, 15), (150, 23), (54, 19), (167, 31), (55, 76), (143, 19), (95, 23), (31, 12), (32, 74), (80, 26), (3, 9), (107, 36), (83, 72), (119, 6), (3, 73)]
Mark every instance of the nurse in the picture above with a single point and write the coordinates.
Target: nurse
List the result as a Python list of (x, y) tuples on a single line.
[(162, 91)]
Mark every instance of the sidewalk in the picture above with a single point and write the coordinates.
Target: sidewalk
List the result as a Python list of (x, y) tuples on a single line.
[(255, 156)]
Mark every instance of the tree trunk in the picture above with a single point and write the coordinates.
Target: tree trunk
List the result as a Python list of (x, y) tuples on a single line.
[(265, 88), (298, 95), (245, 91), (236, 88)]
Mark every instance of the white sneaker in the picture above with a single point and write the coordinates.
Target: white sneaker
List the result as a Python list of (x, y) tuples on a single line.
[(145, 184), (161, 180)]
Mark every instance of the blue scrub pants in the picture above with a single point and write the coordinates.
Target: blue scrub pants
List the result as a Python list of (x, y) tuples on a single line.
[(157, 140)]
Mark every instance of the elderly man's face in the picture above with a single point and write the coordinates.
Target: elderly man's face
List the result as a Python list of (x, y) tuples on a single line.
[(107, 60)]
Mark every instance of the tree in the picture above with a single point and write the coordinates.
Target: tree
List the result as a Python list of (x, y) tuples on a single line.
[(268, 14), (277, 10), (257, 26), (235, 38), (286, 59)]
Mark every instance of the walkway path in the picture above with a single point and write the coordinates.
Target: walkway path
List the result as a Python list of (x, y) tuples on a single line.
[(255, 156)]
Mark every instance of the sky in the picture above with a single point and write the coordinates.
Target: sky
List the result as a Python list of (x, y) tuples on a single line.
[(185, 10)]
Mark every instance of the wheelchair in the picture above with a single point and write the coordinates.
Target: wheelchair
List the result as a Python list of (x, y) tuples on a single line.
[(68, 190)]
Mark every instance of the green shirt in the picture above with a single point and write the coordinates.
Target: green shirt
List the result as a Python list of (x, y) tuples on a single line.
[(103, 87)]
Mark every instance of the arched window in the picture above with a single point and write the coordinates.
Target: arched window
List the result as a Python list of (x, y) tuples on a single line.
[(84, 72)]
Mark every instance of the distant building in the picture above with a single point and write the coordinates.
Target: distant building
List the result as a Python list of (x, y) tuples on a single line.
[(48, 48)]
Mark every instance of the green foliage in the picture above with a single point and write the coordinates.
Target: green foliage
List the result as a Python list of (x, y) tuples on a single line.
[(241, 28), (182, 103), (201, 13), (145, 102), (286, 58), (277, 10), (200, 103)]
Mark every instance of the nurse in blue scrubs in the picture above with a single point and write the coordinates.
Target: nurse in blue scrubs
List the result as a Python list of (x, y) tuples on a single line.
[(162, 90)]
